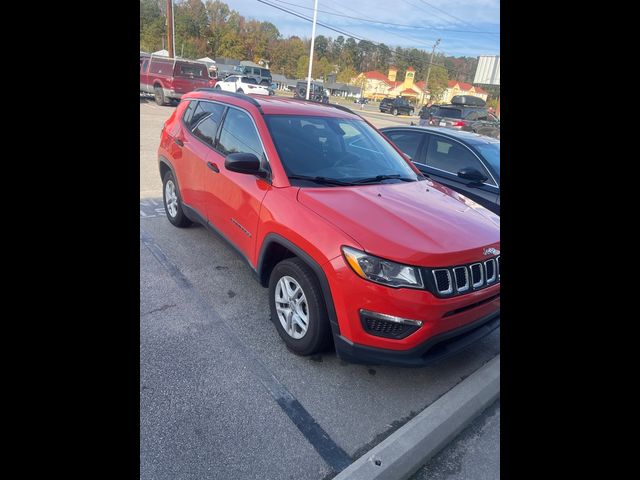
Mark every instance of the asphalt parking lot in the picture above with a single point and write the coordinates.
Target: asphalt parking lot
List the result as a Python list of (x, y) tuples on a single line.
[(220, 395)]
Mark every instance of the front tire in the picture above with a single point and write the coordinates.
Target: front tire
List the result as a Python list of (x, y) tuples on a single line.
[(297, 307), (239, 91), (394, 112), (173, 202), (218, 87)]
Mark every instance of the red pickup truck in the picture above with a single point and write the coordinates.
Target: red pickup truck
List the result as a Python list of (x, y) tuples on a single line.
[(169, 78)]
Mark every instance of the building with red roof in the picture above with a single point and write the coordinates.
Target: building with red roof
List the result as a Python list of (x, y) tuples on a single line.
[(376, 85), (454, 87)]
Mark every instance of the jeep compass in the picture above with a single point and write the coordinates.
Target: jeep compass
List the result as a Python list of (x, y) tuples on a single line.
[(357, 248)]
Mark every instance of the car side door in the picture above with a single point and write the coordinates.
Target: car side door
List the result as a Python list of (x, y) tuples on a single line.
[(200, 124), (441, 158), (234, 199)]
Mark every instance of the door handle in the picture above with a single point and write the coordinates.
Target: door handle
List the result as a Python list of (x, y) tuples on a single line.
[(179, 142), (213, 167)]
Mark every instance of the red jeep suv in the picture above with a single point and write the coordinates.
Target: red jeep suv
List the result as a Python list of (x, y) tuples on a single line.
[(355, 245)]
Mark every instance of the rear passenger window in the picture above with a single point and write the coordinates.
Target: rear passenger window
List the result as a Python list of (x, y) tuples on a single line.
[(408, 142), (206, 125), (239, 135), (202, 110)]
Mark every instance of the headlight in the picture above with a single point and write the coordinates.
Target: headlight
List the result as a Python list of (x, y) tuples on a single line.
[(382, 271)]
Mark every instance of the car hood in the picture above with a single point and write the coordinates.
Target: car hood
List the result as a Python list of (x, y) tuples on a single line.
[(419, 223)]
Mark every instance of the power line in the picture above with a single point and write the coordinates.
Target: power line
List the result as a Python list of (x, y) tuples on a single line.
[(420, 8), (438, 29), (448, 14), (341, 32), (413, 39), (396, 53)]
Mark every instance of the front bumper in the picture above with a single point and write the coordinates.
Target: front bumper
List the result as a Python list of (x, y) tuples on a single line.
[(435, 348)]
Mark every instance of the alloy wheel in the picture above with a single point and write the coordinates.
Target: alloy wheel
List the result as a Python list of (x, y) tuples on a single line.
[(292, 307)]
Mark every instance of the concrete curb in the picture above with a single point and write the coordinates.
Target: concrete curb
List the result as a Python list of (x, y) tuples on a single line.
[(406, 450)]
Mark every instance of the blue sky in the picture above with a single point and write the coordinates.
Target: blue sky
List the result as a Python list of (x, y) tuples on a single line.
[(428, 20)]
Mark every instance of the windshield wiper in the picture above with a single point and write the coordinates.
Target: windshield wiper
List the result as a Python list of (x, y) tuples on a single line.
[(379, 178), (322, 180)]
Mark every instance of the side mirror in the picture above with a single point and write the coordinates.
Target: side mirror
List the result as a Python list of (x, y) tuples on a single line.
[(244, 163), (472, 174)]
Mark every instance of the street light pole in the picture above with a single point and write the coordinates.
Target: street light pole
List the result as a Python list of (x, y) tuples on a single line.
[(313, 40), (426, 82)]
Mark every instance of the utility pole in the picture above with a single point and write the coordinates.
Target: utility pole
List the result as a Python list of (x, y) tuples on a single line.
[(313, 39), (426, 83), (170, 39)]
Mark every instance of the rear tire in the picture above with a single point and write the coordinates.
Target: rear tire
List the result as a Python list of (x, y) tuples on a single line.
[(411, 112), (218, 87), (300, 304), (173, 201), (239, 91), (158, 93), (394, 112)]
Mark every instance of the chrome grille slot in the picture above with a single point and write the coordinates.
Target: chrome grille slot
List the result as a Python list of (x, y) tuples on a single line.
[(443, 281), (490, 270), (461, 276), (477, 275)]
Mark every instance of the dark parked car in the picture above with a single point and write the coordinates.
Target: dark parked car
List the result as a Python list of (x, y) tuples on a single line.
[(470, 117), (395, 106), (466, 162)]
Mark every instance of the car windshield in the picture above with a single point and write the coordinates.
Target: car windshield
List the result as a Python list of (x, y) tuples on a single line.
[(343, 149), (491, 153), (448, 112)]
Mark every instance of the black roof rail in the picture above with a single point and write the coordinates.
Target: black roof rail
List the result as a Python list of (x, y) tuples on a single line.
[(342, 107), (334, 105), (241, 96)]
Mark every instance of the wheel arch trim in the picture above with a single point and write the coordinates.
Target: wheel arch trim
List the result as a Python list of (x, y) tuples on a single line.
[(274, 238)]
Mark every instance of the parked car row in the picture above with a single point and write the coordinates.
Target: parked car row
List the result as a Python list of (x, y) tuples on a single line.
[(357, 246)]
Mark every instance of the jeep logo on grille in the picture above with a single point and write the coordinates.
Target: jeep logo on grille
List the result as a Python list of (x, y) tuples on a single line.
[(491, 251)]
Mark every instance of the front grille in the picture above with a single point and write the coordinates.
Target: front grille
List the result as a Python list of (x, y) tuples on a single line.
[(463, 278)]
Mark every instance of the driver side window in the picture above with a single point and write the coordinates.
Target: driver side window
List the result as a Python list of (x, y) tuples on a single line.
[(451, 157)]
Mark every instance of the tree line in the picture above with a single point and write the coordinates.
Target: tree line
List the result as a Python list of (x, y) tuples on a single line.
[(212, 29)]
